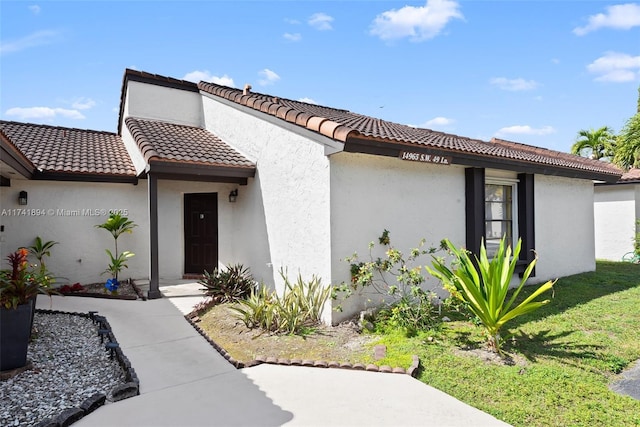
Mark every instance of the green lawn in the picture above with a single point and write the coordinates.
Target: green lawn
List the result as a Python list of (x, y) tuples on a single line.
[(571, 349)]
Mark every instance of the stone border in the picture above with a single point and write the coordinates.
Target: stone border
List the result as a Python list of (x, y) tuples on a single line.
[(130, 388), (412, 370), (136, 289)]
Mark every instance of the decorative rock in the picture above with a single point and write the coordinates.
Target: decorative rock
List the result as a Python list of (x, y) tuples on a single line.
[(399, 371), (70, 367), (296, 362), (320, 364), (413, 369), (372, 368), (284, 362), (272, 360), (261, 359), (358, 367), (333, 364), (386, 369), (346, 365)]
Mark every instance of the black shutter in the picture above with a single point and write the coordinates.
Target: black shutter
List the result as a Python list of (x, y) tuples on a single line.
[(526, 223), (474, 208)]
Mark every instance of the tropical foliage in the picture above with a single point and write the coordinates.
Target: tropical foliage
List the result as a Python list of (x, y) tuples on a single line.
[(483, 284), (21, 284), (627, 153), (595, 143), (117, 225), (40, 250), (228, 285), (398, 280), (299, 307)]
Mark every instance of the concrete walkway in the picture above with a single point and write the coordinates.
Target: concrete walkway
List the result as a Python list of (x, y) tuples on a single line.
[(185, 382)]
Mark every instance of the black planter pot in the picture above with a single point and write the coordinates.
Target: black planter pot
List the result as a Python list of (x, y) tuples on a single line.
[(15, 329)]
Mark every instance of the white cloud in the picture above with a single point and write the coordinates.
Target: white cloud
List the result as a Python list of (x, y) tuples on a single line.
[(616, 67), (292, 21), (35, 9), (83, 103), (514, 85), (268, 77), (321, 21), (38, 38), (308, 100), (197, 76), (295, 37), (619, 17), (438, 122), (525, 130), (417, 23), (36, 113)]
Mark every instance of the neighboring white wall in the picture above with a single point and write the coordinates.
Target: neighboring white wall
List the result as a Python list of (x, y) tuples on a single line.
[(563, 227), (283, 215), (155, 102), (615, 210), (66, 212), (412, 200)]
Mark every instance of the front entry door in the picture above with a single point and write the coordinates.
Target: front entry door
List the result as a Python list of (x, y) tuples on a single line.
[(200, 232)]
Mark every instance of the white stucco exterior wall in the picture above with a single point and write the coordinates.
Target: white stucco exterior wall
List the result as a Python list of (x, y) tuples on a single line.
[(283, 215), (412, 200), (616, 208), (67, 212), (156, 102), (563, 227)]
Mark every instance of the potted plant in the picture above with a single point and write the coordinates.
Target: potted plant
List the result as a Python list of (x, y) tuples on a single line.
[(116, 225), (18, 288)]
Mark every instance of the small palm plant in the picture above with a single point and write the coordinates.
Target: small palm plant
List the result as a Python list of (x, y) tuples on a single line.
[(40, 250), (117, 225), (483, 286)]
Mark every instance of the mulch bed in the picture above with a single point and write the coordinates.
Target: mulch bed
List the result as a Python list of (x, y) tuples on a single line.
[(127, 291)]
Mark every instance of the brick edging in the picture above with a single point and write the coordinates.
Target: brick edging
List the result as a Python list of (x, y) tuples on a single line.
[(412, 370), (123, 391)]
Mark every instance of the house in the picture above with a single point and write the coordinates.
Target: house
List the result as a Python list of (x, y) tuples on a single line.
[(215, 175), (616, 212)]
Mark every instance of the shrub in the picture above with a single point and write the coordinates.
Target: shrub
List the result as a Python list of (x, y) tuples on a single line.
[(298, 308), (395, 276), (483, 286), (229, 285)]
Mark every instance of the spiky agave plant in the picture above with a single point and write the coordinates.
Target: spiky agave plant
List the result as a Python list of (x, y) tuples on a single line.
[(483, 286)]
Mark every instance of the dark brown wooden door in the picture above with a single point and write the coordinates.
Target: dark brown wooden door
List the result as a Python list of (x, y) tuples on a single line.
[(200, 232)]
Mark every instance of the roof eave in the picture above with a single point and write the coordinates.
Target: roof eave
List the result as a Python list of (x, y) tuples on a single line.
[(393, 149), (200, 172), (14, 158)]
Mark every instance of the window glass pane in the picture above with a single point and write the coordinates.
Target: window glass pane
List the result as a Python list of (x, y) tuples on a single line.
[(498, 215)]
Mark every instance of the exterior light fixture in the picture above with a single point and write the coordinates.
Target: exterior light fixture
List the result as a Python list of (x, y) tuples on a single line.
[(22, 198), (233, 196)]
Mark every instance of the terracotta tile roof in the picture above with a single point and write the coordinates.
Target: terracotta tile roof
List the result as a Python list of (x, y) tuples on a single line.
[(556, 158), (632, 175), (180, 143), (343, 125), (54, 149)]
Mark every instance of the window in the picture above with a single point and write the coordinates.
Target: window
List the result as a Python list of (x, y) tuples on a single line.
[(496, 207), (500, 213)]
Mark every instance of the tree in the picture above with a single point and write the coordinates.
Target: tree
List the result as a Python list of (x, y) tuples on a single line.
[(597, 144), (628, 144)]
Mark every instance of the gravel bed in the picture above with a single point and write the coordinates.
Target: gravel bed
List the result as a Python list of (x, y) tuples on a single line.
[(70, 364)]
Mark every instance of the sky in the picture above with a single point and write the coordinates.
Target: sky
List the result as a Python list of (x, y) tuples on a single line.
[(534, 72)]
